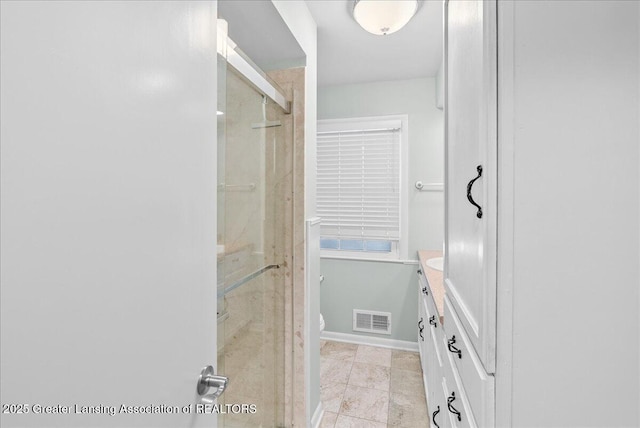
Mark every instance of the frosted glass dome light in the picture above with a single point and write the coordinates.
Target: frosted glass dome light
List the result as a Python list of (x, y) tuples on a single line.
[(382, 17)]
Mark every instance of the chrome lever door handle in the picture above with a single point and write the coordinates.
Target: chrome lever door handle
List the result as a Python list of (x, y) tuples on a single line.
[(208, 379)]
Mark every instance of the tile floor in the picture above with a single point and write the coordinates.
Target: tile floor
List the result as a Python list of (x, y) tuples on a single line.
[(371, 387)]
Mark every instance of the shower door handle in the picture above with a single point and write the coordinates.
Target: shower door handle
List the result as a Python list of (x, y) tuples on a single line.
[(208, 379)]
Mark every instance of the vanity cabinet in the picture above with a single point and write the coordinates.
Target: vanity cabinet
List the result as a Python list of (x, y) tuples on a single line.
[(542, 128), (430, 335)]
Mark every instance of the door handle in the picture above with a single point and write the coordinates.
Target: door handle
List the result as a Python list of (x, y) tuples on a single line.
[(424, 290), (208, 379), (470, 196), (421, 327), (452, 348), (432, 321)]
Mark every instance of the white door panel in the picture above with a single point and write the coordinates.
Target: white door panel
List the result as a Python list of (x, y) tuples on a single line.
[(108, 209), (471, 141)]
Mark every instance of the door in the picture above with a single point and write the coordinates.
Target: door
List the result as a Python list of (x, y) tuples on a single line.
[(108, 141), (470, 127)]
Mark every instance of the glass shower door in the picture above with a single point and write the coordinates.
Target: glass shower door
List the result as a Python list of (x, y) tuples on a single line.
[(251, 233)]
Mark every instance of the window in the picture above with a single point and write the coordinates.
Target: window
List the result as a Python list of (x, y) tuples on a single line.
[(361, 187)]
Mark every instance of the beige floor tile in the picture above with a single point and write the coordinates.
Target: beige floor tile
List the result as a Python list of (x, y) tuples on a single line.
[(407, 411), (373, 355), (334, 371), (344, 421), (406, 382), (365, 403), (331, 396), (406, 360), (370, 376), (339, 351), (328, 420)]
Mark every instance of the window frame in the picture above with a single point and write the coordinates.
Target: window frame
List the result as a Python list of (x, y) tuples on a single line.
[(400, 251)]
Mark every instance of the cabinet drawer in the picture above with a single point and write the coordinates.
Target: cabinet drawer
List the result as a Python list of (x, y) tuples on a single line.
[(438, 413), (436, 344), (432, 368), (433, 317), (456, 403), (423, 335), (422, 282), (479, 385)]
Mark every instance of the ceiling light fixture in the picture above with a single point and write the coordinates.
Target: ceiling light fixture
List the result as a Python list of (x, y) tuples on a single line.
[(382, 17)]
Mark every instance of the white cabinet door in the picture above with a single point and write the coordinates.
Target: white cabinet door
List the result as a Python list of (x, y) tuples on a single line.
[(470, 117), (108, 212)]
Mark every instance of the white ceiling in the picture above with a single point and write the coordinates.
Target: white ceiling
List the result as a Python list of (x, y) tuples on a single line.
[(346, 52), (349, 54), (260, 32)]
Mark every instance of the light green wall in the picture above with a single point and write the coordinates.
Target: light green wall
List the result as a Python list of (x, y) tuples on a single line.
[(383, 286), (376, 286), (416, 98)]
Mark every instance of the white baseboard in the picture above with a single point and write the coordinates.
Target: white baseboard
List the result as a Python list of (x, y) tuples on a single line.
[(402, 345), (317, 416)]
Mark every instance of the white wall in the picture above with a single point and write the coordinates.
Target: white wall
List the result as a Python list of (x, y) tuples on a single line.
[(575, 147), (395, 284)]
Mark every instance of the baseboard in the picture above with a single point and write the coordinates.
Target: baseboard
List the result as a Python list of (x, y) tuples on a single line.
[(382, 342), (317, 416)]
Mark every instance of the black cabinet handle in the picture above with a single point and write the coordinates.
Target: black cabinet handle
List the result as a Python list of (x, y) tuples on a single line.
[(421, 327), (470, 196), (424, 290), (452, 348), (433, 417), (452, 409), (419, 271), (432, 321)]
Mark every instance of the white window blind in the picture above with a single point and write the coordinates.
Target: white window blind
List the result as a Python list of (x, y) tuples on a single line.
[(359, 181)]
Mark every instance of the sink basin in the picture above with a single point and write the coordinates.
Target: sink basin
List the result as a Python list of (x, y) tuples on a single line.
[(436, 263)]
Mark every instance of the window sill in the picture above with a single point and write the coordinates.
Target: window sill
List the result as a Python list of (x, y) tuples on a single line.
[(370, 259)]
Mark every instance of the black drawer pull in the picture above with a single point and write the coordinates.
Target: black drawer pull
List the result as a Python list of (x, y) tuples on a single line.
[(424, 290), (470, 196), (452, 409), (421, 327), (419, 271), (432, 321), (433, 417), (452, 348)]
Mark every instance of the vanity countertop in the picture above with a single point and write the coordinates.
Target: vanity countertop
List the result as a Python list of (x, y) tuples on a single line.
[(434, 278)]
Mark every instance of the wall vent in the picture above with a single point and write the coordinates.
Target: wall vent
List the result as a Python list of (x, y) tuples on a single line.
[(372, 321)]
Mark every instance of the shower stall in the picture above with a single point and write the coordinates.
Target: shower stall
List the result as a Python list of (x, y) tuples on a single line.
[(255, 214)]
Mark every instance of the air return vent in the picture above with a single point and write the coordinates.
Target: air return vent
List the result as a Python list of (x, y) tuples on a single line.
[(371, 321)]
